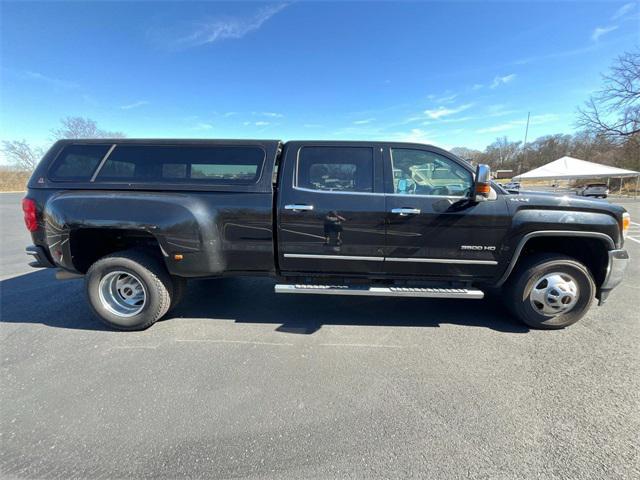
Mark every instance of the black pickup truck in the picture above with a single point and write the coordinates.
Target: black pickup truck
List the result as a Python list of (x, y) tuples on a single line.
[(137, 218)]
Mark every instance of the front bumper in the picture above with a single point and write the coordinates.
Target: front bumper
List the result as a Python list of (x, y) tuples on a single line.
[(618, 261), (41, 259)]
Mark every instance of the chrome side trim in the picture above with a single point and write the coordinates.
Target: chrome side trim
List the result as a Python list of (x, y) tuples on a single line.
[(551, 233), (441, 260), (333, 257), (391, 259), (471, 294), (100, 165)]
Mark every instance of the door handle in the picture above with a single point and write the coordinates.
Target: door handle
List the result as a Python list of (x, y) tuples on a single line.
[(298, 208), (403, 212)]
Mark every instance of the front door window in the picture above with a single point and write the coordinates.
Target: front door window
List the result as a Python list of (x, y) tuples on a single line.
[(420, 172)]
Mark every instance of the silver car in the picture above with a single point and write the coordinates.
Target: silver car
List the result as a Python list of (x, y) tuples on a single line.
[(598, 190)]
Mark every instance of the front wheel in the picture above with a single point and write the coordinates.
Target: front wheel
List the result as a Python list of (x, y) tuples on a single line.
[(550, 291), (129, 290)]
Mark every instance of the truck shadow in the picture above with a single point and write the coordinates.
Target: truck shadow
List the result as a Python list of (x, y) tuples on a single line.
[(253, 301), (38, 298)]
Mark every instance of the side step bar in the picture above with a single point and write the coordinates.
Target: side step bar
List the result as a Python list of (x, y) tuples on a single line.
[(381, 291)]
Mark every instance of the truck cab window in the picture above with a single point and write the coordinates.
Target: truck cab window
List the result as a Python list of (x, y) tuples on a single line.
[(335, 169), (420, 172)]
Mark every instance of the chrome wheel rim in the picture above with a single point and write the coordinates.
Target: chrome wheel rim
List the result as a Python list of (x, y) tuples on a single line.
[(554, 293), (122, 293)]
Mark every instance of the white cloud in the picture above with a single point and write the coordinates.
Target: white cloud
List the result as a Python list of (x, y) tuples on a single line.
[(623, 10), (534, 120), (441, 111), (55, 82), (269, 114), (600, 31), (497, 81), (497, 128), (445, 98), (554, 55), (137, 104), (477, 86), (224, 28), (89, 99), (203, 126), (363, 121), (312, 125), (415, 135), (261, 123)]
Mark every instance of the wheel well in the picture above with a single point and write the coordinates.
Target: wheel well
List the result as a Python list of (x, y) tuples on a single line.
[(592, 252), (90, 244)]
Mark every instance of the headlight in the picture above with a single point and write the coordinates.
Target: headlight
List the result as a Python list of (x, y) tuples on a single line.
[(626, 222)]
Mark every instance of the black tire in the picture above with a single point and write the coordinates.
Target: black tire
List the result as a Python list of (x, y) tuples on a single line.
[(179, 289), (530, 272), (151, 274)]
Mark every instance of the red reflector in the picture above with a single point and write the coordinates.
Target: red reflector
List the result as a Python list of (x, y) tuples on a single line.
[(30, 217)]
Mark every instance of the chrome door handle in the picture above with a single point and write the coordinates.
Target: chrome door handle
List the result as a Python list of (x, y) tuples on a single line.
[(298, 208), (403, 212)]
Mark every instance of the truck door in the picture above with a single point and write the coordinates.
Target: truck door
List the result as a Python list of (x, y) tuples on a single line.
[(331, 208), (432, 229)]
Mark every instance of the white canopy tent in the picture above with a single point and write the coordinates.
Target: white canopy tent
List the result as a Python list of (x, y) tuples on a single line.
[(566, 168)]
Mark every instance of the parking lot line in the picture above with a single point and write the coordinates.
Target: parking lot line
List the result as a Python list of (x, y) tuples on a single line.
[(243, 342)]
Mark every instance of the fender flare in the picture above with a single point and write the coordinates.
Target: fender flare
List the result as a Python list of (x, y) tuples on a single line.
[(550, 233)]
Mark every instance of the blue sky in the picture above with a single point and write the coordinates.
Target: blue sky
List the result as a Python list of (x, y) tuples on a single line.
[(451, 74)]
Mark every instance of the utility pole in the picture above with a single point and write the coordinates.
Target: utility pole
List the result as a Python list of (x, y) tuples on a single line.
[(524, 145)]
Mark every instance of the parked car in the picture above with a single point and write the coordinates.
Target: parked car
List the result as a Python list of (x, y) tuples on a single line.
[(598, 190), (512, 186), (137, 218)]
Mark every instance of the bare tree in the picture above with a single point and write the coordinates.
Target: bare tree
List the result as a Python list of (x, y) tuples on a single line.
[(465, 153), (614, 111), (22, 155), (80, 127), (503, 152)]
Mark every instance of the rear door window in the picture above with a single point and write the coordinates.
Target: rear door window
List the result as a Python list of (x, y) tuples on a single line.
[(76, 163), (335, 169), (219, 164)]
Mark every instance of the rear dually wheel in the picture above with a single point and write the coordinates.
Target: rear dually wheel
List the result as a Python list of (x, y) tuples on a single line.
[(129, 290)]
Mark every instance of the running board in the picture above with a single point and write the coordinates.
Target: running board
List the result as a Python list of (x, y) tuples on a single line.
[(381, 291)]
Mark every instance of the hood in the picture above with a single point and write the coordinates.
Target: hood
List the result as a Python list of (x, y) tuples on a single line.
[(564, 201)]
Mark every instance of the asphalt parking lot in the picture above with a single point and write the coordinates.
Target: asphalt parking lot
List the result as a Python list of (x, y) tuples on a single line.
[(243, 383)]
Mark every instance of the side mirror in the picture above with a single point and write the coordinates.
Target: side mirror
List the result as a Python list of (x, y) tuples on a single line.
[(482, 184)]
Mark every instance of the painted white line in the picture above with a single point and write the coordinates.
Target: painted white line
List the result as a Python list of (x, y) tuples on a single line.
[(243, 342), (634, 239), (130, 347), (634, 223), (367, 345)]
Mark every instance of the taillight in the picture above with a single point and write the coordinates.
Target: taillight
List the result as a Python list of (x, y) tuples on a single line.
[(30, 217)]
